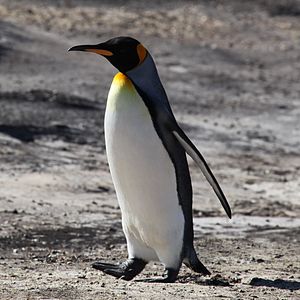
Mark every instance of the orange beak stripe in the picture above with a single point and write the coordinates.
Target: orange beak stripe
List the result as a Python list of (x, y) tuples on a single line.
[(100, 51)]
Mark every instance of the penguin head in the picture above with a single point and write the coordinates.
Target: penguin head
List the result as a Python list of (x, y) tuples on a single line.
[(124, 53)]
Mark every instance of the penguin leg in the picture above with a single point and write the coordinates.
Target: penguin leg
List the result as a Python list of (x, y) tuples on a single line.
[(126, 270), (169, 277), (192, 261), (171, 259)]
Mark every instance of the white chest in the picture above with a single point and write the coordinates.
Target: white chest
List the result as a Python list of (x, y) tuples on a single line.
[(142, 172)]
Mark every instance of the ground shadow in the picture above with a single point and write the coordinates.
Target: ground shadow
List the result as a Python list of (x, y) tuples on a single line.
[(213, 280), (77, 239), (277, 283), (45, 114)]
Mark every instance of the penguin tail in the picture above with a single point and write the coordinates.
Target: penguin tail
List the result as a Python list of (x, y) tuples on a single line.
[(193, 262)]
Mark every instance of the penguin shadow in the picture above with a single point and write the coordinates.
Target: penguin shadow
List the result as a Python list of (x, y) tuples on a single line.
[(218, 280), (277, 283), (212, 280)]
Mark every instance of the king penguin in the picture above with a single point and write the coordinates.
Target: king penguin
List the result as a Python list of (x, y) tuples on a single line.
[(146, 152)]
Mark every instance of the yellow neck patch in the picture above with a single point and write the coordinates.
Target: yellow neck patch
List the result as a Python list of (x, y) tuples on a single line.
[(122, 94), (122, 80)]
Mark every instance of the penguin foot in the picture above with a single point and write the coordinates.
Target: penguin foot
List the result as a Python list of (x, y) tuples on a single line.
[(198, 267), (170, 276), (193, 262), (126, 270)]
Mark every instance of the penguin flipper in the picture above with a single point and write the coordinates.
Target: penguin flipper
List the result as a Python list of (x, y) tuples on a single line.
[(126, 270), (194, 153)]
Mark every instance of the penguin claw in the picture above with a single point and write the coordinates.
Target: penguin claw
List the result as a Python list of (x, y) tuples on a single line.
[(126, 270), (156, 280), (98, 265), (110, 269), (170, 277), (115, 272)]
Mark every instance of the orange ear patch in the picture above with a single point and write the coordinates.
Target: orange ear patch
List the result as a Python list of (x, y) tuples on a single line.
[(101, 52), (142, 52)]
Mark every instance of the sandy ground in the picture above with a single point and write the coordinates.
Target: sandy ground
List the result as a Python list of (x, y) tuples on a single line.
[(232, 74)]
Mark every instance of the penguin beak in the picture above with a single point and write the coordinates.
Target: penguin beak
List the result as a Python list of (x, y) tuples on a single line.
[(92, 48)]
